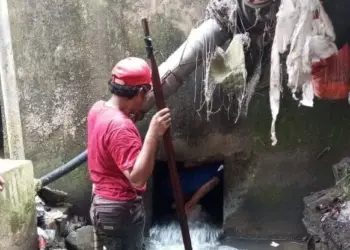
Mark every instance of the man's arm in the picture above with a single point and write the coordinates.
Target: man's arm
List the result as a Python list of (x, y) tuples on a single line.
[(133, 159), (144, 164), (2, 182), (201, 192)]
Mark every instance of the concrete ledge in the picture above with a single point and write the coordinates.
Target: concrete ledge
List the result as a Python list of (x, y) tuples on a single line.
[(17, 206)]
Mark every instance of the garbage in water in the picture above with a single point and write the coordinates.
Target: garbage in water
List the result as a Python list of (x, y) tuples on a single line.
[(274, 244), (344, 214)]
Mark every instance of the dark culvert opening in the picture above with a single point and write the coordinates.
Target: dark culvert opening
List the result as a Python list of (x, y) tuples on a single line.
[(190, 178)]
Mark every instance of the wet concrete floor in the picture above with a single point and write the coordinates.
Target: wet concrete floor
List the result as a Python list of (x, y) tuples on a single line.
[(264, 244)]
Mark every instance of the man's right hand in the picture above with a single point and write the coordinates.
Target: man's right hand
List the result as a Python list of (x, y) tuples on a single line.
[(160, 123), (144, 164), (2, 182)]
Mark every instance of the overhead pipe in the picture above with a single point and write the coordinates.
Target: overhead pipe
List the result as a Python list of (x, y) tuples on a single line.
[(172, 72), (188, 57)]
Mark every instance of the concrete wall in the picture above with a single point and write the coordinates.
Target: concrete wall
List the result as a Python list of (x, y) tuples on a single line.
[(18, 217), (64, 52)]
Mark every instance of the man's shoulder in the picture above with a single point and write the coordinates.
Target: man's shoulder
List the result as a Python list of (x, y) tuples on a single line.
[(121, 129), (122, 123), (96, 108)]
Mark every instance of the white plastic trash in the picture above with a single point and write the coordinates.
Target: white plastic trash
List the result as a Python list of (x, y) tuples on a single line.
[(274, 244)]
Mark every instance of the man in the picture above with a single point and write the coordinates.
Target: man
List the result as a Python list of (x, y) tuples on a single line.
[(2, 183), (119, 165), (197, 180)]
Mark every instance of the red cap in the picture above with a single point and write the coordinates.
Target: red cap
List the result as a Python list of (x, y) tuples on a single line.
[(132, 71)]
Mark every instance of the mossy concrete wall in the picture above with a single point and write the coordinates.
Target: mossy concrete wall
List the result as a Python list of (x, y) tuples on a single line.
[(17, 206), (311, 140), (64, 51)]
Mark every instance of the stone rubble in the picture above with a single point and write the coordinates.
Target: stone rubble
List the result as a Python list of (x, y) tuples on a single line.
[(344, 214), (59, 230), (327, 213)]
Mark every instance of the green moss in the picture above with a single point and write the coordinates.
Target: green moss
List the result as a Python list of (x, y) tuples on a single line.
[(18, 219), (29, 207)]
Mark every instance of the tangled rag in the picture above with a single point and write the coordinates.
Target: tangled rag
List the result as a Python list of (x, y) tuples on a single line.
[(306, 27), (227, 68)]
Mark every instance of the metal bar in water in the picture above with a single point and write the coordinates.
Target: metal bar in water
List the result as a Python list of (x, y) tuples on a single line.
[(160, 103)]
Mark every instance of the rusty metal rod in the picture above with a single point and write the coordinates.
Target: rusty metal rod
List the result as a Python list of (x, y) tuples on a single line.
[(169, 148)]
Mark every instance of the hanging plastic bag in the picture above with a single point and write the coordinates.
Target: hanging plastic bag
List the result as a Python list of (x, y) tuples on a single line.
[(331, 76)]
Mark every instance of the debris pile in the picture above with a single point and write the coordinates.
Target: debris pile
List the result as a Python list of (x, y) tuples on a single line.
[(59, 230), (327, 213)]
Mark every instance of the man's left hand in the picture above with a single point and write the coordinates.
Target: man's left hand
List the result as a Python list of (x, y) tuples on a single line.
[(2, 183), (189, 206)]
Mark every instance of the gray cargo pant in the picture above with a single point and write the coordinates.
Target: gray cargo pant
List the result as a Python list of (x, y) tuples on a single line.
[(118, 225)]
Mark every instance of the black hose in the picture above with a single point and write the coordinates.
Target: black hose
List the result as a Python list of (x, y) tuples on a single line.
[(64, 169)]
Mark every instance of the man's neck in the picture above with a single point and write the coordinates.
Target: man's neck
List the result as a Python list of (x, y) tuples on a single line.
[(120, 104)]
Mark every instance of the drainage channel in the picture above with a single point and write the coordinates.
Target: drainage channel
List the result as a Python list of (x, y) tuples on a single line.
[(206, 236)]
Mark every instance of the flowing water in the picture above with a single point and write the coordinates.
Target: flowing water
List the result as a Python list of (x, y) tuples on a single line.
[(204, 236)]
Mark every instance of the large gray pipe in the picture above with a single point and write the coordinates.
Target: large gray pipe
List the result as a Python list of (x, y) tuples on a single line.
[(173, 71), (188, 56)]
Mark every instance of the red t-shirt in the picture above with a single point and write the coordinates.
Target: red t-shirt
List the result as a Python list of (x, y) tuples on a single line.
[(113, 146)]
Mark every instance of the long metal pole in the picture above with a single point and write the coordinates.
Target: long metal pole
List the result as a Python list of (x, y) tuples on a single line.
[(160, 103), (13, 125)]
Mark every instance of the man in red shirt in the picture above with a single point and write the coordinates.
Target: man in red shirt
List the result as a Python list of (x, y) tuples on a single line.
[(119, 165)]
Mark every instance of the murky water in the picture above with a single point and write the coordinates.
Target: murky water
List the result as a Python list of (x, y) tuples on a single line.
[(168, 237)]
